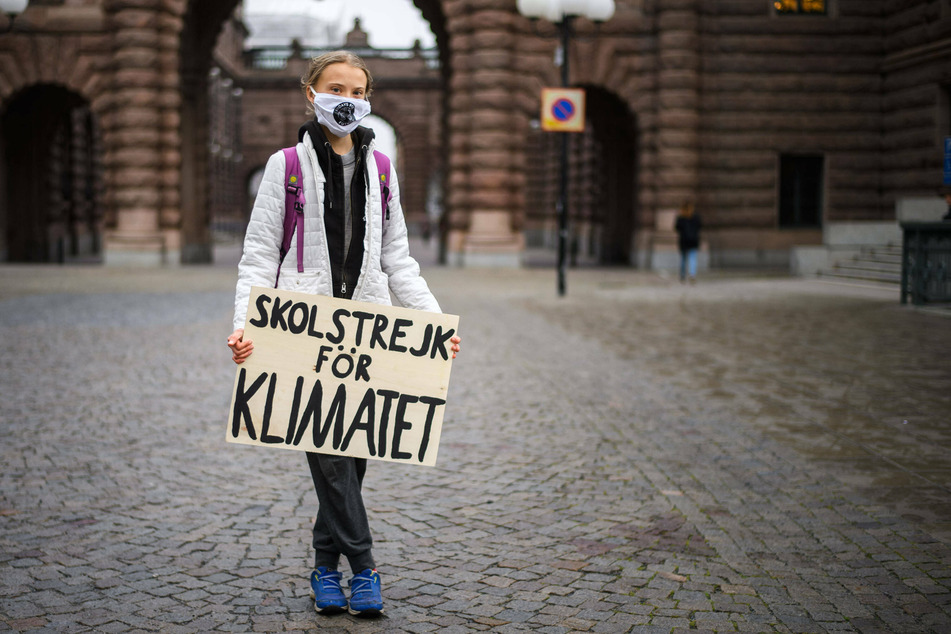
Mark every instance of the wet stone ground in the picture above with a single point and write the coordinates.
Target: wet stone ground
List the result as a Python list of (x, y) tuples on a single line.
[(749, 454)]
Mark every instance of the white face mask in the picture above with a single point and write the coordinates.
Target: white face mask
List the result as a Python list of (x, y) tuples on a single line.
[(340, 115)]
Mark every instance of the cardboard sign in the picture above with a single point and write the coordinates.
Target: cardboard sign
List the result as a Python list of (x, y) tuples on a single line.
[(342, 377)]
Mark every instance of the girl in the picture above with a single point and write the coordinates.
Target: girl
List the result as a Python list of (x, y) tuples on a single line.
[(349, 252)]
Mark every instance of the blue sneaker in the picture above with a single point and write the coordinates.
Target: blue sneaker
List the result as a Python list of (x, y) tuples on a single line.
[(328, 597), (366, 599)]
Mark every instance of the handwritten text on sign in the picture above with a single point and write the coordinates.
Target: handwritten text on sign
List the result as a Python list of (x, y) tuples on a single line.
[(342, 377)]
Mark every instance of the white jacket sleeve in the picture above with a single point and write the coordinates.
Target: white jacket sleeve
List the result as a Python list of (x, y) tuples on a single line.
[(406, 283), (262, 241)]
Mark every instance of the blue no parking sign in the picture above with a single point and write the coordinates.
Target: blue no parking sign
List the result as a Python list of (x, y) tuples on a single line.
[(563, 110)]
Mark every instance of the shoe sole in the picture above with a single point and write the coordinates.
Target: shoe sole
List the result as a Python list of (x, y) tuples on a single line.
[(330, 609), (371, 612)]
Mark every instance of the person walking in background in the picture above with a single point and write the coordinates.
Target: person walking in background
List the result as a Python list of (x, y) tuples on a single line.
[(350, 251), (688, 241)]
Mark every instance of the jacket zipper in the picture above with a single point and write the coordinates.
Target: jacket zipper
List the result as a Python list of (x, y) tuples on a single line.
[(346, 255), (346, 246), (346, 250)]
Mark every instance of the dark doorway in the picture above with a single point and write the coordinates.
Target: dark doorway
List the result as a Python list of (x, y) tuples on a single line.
[(52, 178), (614, 130), (800, 191)]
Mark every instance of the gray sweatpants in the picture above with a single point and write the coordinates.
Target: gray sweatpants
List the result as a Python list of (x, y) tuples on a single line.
[(341, 527)]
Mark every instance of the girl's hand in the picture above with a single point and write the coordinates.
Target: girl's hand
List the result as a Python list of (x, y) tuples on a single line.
[(455, 345), (240, 349)]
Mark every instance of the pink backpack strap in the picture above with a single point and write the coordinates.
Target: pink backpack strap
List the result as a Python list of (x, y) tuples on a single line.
[(383, 167), (293, 207)]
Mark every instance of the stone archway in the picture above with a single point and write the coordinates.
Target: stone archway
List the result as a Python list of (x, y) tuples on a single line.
[(51, 211), (602, 187), (614, 131), (418, 155), (270, 120)]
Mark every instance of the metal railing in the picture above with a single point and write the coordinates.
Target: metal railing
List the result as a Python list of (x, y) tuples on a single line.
[(926, 262), (276, 57)]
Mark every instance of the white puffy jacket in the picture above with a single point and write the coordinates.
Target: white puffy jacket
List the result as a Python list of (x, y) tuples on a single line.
[(387, 265)]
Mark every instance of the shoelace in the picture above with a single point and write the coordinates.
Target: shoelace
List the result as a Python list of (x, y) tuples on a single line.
[(329, 581), (361, 585)]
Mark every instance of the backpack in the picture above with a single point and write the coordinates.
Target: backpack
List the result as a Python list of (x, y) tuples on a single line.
[(294, 201)]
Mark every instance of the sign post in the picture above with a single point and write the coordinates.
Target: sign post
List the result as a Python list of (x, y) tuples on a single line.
[(563, 111), (947, 160), (342, 377)]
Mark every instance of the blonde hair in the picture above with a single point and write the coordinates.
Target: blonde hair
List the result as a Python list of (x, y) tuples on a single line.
[(320, 63)]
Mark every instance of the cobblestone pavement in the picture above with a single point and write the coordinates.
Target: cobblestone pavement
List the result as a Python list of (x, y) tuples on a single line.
[(749, 454)]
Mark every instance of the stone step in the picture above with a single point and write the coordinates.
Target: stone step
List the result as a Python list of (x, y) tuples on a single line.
[(868, 265), (878, 277), (878, 264), (877, 256)]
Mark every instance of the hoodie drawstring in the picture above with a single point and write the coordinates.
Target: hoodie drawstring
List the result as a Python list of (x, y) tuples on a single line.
[(328, 191)]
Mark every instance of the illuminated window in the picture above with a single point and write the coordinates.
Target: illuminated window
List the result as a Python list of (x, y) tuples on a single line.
[(800, 7)]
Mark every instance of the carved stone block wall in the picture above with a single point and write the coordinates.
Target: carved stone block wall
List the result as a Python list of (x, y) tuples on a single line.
[(718, 91), (916, 100)]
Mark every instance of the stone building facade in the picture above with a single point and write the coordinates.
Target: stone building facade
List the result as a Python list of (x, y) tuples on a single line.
[(785, 120)]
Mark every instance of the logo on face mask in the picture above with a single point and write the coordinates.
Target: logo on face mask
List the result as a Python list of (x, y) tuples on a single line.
[(343, 113)]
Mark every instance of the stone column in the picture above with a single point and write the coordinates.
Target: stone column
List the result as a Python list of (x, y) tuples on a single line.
[(485, 167), (170, 102), (677, 117), (678, 103), (134, 136)]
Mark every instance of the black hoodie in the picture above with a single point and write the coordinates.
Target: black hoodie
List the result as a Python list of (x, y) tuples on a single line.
[(344, 267)]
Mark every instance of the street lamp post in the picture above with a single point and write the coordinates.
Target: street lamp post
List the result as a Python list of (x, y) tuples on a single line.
[(12, 8), (562, 13)]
